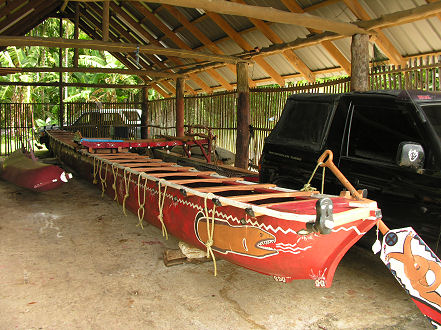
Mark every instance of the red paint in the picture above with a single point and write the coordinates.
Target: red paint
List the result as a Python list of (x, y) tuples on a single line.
[(266, 244), (429, 311), (27, 173)]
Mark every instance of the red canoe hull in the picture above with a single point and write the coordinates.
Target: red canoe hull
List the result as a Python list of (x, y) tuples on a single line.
[(260, 242), (27, 173)]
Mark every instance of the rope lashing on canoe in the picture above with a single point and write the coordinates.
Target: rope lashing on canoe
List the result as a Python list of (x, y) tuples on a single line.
[(210, 231), (161, 200), (115, 174), (141, 209), (127, 186), (95, 170), (307, 186), (103, 180)]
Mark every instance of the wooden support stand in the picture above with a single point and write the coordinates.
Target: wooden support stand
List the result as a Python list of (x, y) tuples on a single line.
[(173, 257)]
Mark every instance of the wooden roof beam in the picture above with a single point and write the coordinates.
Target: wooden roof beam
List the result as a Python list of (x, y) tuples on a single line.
[(137, 72), (237, 38), (263, 13), (92, 32), (200, 35), (380, 38), (181, 44), (128, 36), (143, 10), (119, 11), (92, 11), (111, 47), (292, 57), (328, 45), (402, 17)]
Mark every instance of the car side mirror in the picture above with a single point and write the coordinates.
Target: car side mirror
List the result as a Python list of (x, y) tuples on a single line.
[(410, 154)]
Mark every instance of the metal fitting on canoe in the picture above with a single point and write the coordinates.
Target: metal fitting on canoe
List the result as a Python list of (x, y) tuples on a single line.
[(324, 222), (250, 212), (216, 202)]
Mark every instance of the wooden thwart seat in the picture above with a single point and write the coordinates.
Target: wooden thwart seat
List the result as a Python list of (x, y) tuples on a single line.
[(235, 187), (137, 165), (188, 173), (165, 168), (205, 180), (255, 197)]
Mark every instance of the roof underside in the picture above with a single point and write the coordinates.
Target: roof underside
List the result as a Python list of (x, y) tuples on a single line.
[(169, 26)]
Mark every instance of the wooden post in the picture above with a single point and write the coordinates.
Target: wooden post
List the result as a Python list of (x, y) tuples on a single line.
[(76, 32), (145, 114), (243, 116), (180, 86), (360, 63), (106, 6), (60, 85)]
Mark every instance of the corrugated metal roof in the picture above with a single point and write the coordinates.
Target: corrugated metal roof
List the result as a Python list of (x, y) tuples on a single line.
[(416, 38)]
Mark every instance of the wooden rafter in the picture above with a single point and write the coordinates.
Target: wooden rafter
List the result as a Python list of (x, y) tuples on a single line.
[(153, 19), (328, 45), (92, 32), (292, 57), (120, 12), (137, 72), (118, 34), (21, 12), (403, 17), (236, 37), (380, 38), (263, 13), (200, 35)]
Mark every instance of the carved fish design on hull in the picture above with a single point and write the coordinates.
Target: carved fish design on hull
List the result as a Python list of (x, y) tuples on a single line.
[(244, 240)]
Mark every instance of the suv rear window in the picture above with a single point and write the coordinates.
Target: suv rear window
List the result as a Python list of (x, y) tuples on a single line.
[(303, 123)]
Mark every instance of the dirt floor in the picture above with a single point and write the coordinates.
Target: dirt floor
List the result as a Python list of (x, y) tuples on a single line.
[(70, 259)]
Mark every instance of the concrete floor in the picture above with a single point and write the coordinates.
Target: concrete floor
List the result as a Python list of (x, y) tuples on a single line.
[(70, 259)]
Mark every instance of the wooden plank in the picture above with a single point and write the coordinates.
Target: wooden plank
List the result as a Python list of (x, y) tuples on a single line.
[(164, 175), (255, 197), (236, 187), (147, 165), (296, 201), (206, 180), (166, 168)]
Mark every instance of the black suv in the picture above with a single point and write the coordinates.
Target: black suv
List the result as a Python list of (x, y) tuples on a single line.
[(388, 142)]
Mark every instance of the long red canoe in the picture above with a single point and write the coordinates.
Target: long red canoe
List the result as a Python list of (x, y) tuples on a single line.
[(284, 233), (25, 172)]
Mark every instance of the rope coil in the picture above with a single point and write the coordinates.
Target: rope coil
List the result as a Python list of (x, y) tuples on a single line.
[(127, 186), (161, 202), (141, 209), (210, 231)]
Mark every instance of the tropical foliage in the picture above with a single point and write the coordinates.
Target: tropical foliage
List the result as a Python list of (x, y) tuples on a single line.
[(49, 57)]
